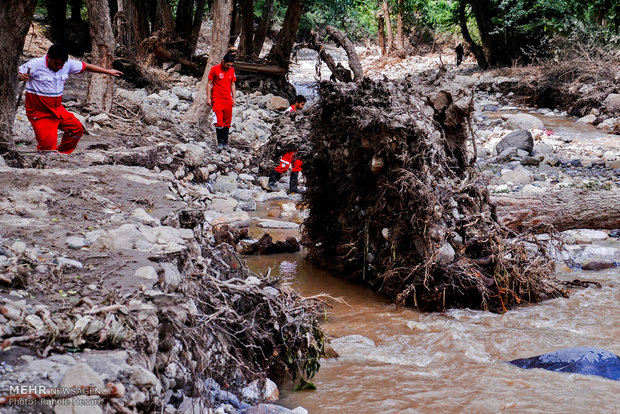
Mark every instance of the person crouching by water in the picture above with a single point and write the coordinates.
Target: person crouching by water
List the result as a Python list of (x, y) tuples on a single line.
[(221, 97), (45, 79), (289, 159)]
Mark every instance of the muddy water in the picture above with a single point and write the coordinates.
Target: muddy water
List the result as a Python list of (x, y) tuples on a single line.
[(402, 361)]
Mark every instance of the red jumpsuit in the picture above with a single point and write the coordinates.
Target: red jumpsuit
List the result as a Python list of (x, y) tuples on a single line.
[(44, 105), (222, 95)]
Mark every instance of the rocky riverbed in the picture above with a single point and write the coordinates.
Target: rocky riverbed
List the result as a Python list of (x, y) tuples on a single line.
[(99, 246)]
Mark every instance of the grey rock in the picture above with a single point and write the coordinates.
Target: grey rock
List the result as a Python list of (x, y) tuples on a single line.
[(612, 102), (527, 160), (226, 183), (275, 224), (521, 139), (76, 242), (542, 149), (146, 272), (524, 121), (172, 275), (182, 93), (445, 254), (588, 119), (80, 375)]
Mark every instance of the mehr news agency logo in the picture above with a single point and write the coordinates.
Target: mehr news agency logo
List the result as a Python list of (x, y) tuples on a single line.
[(31, 395)]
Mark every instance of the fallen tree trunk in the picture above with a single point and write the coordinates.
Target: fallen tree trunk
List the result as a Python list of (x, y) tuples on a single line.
[(343, 41), (271, 70), (564, 210), (339, 72)]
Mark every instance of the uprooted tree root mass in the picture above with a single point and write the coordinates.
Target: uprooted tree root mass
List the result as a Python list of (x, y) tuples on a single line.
[(395, 202)]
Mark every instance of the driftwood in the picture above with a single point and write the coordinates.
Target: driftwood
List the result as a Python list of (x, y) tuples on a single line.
[(343, 41), (339, 72), (564, 210), (159, 48)]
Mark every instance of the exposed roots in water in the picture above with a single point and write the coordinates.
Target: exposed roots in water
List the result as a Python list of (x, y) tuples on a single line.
[(395, 203)]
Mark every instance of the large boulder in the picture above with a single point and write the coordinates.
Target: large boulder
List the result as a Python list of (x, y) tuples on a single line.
[(524, 121), (521, 139), (581, 360)]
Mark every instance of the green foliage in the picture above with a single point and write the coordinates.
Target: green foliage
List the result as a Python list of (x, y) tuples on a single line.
[(314, 350)]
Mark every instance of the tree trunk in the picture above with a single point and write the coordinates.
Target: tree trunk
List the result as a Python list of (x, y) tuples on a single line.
[(184, 21), (235, 24), (564, 210), (196, 25), (16, 15), (388, 26), (101, 87), (57, 15), (280, 53), (400, 31), (247, 28), (131, 24), (473, 46), (76, 10), (262, 29), (339, 72), (381, 34), (222, 16), (164, 15), (343, 41)]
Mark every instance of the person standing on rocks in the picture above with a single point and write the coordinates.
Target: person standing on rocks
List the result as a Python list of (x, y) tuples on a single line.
[(221, 97), (289, 158), (459, 53), (45, 79)]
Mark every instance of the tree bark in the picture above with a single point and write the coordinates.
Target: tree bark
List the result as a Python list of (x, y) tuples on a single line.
[(343, 41), (101, 87), (388, 26), (262, 29), (247, 28), (164, 14), (16, 15), (473, 46), (57, 15), (222, 16), (564, 210), (196, 25), (280, 53), (381, 34), (400, 31), (131, 25), (235, 24)]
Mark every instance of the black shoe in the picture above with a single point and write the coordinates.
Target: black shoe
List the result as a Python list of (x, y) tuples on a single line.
[(219, 135), (225, 137), (293, 189), (273, 181)]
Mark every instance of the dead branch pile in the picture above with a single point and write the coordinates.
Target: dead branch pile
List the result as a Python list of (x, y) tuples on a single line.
[(223, 322), (578, 79), (394, 202)]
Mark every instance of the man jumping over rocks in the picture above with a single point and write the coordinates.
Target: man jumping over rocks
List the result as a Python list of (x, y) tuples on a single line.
[(45, 79)]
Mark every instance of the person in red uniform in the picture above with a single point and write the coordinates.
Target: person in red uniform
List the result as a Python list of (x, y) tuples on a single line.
[(289, 158), (221, 97), (45, 79)]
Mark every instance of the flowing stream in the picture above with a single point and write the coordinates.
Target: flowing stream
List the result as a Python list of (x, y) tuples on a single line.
[(403, 361), (398, 360)]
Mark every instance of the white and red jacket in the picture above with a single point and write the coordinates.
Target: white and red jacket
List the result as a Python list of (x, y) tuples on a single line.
[(290, 109), (45, 87)]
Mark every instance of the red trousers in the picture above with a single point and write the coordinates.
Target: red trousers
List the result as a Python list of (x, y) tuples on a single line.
[(46, 131), (223, 114), (286, 161)]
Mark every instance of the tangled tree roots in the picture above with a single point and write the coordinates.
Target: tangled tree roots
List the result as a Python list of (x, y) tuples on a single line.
[(395, 203)]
